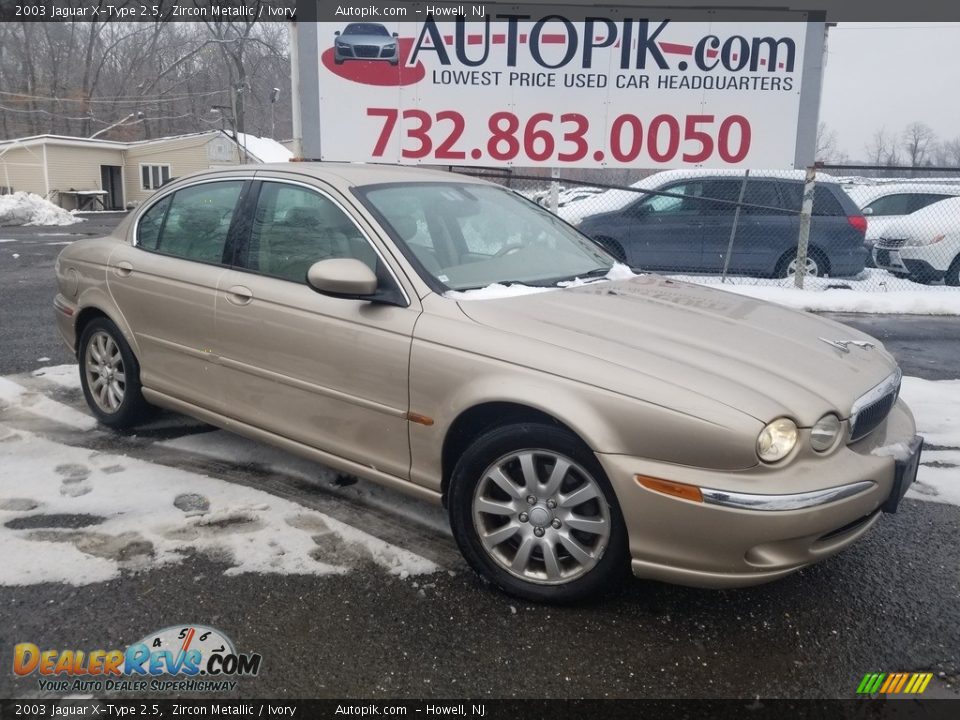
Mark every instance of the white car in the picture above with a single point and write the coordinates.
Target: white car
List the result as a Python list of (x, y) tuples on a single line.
[(923, 246), (888, 202)]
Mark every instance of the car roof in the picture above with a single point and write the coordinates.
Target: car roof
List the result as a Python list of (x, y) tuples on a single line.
[(349, 174), (865, 194)]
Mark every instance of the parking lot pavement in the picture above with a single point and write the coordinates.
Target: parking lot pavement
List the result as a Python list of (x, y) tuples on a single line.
[(349, 590)]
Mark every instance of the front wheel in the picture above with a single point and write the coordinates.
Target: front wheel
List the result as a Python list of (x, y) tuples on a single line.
[(110, 375), (533, 512)]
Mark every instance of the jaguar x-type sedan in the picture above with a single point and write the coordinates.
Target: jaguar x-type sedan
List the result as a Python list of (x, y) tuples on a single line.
[(446, 337)]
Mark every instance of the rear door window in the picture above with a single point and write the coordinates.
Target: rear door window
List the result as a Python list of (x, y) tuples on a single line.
[(761, 198), (824, 201), (197, 221), (919, 201)]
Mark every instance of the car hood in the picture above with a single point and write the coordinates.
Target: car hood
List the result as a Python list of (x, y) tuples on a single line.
[(651, 334)]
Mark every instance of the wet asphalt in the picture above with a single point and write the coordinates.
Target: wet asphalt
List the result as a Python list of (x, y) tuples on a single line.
[(889, 603)]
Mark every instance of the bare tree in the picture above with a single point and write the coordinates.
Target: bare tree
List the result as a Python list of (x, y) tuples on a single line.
[(79, 78), (826, 143), (918, 141), (882, 149)]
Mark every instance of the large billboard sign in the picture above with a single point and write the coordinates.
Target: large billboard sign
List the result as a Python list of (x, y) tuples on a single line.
[(594, 92)]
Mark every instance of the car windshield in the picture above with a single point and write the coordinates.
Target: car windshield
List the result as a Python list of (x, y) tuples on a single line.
[(365, 29), (469, 236)]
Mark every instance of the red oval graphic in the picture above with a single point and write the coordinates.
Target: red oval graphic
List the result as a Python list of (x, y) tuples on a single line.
[(377, 72)]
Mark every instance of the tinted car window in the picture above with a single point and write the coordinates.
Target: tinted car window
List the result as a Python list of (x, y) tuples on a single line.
[(295, 227), (890, 205), (761, 193), (824, 201), (669, 205), (148, 231), (198, 221), (919, 201), (725, 191)]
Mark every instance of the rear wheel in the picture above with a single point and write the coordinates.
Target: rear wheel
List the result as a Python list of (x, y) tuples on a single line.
[(534, 513), (110, 375), (816, 264)]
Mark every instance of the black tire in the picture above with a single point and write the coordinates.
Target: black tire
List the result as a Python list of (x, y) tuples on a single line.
[(499, 443), (613, 247), (132, 408), (815, 254), (952, 276)]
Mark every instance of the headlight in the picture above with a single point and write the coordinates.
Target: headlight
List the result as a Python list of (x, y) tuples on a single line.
[(824, 434), (777, 440), (924, 241), (389, 47)]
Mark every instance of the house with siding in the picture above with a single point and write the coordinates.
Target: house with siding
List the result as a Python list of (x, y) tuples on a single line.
[(87, 173)]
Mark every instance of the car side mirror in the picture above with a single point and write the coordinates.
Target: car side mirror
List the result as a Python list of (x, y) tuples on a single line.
[(343, 278), (396, 35), (337, 34), (867, 211)]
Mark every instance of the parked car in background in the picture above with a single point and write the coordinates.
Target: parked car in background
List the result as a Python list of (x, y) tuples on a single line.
[(688, 230), (883, 203), (445, 337), (923, 246), (365, 41)]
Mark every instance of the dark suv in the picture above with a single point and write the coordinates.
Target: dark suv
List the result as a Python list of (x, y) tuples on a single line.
[(692, 233)]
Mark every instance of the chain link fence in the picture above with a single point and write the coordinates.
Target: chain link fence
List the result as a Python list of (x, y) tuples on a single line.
[(870, 228)]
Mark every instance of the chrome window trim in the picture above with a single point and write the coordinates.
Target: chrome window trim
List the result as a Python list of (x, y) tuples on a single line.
[(778, 503), (159, 197)]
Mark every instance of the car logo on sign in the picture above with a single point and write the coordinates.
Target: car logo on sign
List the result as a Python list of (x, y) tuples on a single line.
[(844, 345)]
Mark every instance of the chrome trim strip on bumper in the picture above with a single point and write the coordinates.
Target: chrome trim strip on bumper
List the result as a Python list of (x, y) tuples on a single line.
[(796, 501)]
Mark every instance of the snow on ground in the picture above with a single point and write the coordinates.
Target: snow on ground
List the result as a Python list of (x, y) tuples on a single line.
[(22, 208), (67, 376), (85, 516), (223, 445), (864, 294), (14, 394), (936, 407)]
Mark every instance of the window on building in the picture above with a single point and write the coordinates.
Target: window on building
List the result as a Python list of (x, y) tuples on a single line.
[(154, 176)]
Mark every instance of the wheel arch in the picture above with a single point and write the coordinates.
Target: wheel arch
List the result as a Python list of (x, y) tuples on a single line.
[(482, 417), (94, 307)]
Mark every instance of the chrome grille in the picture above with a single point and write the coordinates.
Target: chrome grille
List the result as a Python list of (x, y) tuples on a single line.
[(890, 244), (366, 51), (872, 408)]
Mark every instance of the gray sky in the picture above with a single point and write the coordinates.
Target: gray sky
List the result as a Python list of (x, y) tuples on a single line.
[(890, 74)]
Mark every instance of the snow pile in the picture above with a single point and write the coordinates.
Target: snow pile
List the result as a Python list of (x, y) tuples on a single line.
[(936, 407), (858, 295), (496, 291), (83, 517), (22, 208)]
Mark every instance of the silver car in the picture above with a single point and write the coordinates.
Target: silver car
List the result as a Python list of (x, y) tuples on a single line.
[(365, 41), (451, 339)]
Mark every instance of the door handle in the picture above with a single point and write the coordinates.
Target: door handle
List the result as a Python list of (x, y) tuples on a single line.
[(123, 268), (239, 295)]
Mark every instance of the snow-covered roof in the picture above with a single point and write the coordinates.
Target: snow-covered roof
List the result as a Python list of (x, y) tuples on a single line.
[(863, 195), (265, 150), (62, 140)]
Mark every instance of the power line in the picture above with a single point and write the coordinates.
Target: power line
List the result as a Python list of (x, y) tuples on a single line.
[(113, 101)]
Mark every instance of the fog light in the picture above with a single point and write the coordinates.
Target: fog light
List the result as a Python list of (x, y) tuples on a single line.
[(824, 434), (776, 440)]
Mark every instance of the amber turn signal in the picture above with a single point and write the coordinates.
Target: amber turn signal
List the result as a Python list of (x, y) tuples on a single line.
[(673, 489)]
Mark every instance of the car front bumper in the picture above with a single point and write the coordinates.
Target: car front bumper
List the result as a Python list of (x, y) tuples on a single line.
[(915, 261), (809, 509)]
